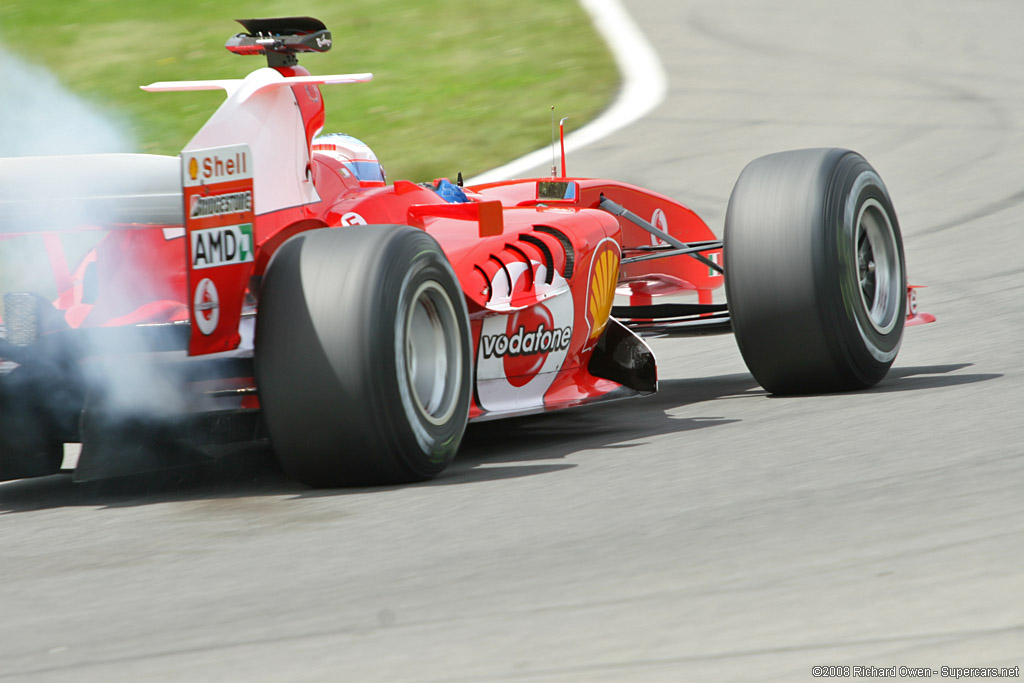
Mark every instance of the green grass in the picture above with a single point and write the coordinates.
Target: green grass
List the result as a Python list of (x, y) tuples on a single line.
[(459, 84)]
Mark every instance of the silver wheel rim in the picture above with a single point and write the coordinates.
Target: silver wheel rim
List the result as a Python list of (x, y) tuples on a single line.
[(433, 354), (879, 277)]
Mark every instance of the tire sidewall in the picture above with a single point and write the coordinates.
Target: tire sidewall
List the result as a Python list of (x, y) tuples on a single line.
[(425, 447), (869, 352)]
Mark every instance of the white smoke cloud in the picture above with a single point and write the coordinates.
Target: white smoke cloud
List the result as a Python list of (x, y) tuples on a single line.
[(38, 116), (52, 182)]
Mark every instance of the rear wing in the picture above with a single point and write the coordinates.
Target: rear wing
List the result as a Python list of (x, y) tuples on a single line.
[(260, 112), (251, 158), (232, 84)]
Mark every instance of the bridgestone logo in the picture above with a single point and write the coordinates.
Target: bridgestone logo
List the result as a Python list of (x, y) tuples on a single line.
[(524, 343), (218, 205)]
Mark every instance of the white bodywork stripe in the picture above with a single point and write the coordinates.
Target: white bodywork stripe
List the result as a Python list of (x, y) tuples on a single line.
[(230, 85)]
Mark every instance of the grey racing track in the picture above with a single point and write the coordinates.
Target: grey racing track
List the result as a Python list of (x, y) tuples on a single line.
[(707, 533)]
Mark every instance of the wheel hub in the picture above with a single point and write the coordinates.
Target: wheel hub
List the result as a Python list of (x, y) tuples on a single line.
[(433, 364), (880, 276)]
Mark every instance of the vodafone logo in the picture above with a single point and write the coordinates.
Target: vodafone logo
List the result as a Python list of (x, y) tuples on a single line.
[(521, 350), (529, 337), (206, 304)]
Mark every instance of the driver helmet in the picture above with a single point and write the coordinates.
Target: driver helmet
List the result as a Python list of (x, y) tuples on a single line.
[(353, 154)]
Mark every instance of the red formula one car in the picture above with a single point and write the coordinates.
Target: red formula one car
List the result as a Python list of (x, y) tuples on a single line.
[(269, 283)]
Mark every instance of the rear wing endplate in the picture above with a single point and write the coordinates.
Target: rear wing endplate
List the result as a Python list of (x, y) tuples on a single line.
[(217, 185)]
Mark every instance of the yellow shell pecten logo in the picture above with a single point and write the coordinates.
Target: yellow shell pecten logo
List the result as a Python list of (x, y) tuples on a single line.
[(193, 168), (604, 277)]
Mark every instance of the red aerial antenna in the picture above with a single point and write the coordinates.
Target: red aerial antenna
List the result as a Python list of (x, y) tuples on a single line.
[(561, 136)]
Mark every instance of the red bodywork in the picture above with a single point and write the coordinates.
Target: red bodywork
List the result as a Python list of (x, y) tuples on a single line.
[(539, 271), (539, 275), (503, 274)]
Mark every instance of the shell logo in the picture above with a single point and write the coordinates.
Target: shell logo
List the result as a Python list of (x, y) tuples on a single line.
[(193, 168), (604, 275)]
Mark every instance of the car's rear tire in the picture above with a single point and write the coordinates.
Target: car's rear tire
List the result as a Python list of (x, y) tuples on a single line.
[(362, 358), (814, 272), (35, 403), (26, 449)]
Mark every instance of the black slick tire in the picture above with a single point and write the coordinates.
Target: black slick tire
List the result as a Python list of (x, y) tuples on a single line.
[(814, 272), (362, 356), (33, 399)]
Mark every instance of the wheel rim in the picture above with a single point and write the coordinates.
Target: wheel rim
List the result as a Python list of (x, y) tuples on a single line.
[(433, 355), (878, 266)]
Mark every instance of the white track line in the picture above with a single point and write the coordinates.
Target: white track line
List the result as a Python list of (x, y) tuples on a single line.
[(644, 85)]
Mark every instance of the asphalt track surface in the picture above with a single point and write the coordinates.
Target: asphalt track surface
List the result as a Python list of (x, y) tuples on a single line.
[(708, 533)]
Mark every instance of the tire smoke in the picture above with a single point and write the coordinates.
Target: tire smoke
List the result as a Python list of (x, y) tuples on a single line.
[(65, 178), (39, 116)]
